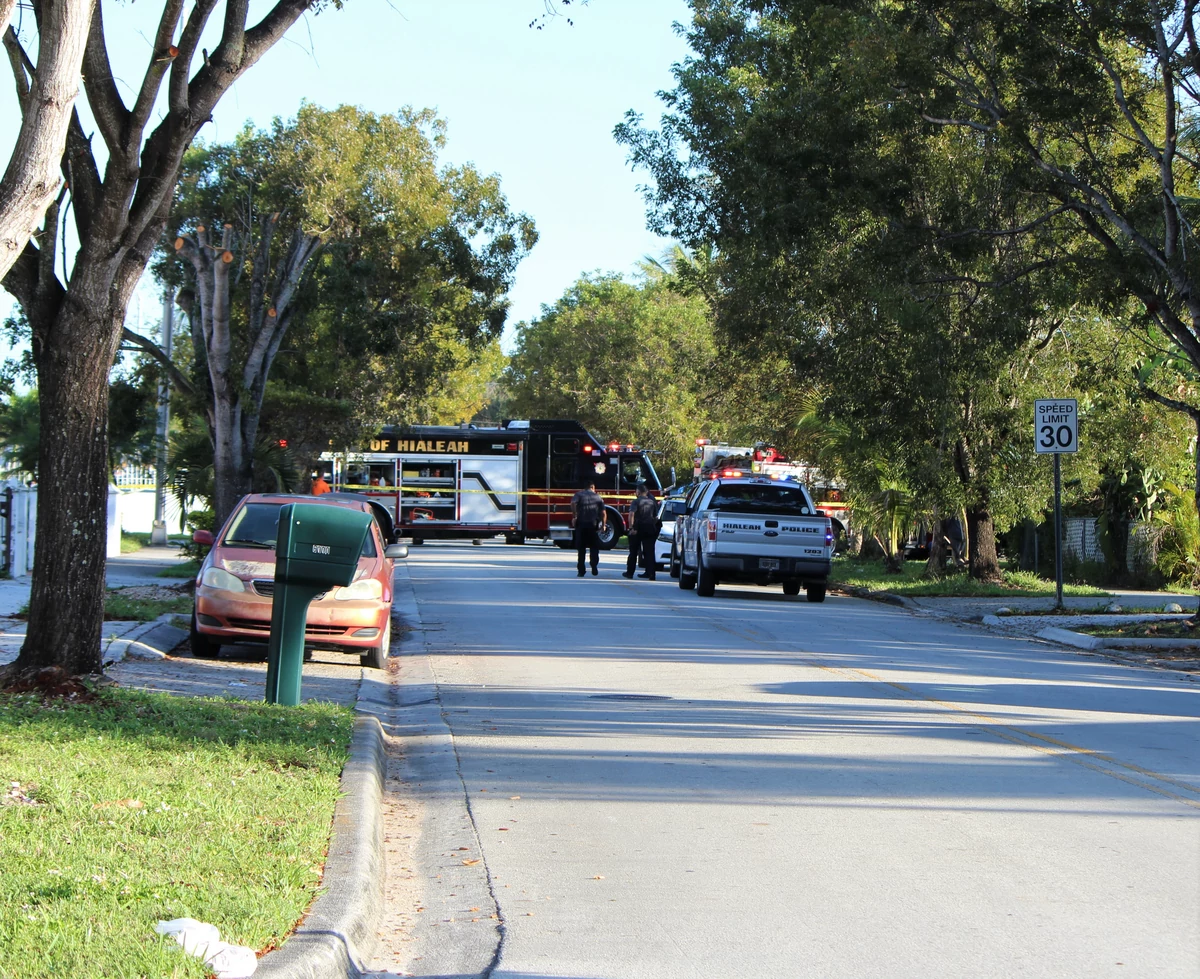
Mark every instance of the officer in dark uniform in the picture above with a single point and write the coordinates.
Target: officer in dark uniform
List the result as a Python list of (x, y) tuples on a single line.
[(643, 528), (588, 517)]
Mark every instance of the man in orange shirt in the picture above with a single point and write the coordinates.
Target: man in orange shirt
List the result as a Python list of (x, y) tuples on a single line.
[(319, 485)]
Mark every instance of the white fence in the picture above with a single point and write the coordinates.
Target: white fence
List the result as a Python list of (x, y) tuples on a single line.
[(22, 530), (129, 510)]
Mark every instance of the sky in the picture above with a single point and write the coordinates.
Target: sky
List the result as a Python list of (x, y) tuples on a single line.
[(535, 107)]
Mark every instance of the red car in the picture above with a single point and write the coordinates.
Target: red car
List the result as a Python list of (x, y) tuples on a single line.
[(237, 580)]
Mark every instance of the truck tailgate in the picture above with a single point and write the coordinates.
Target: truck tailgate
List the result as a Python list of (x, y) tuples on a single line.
[(783, 535)]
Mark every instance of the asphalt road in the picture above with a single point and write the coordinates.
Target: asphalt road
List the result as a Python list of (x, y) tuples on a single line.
[(652, 784)]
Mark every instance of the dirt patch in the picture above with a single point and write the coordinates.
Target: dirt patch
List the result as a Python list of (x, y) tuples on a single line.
[(51, 683), (1170, 629), (154, 593)]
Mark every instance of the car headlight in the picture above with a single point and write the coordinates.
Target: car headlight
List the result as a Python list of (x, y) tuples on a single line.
[(222, 579), (364, 588)]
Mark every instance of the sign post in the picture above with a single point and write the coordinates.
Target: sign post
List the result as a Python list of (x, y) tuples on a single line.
[(1056, 430)]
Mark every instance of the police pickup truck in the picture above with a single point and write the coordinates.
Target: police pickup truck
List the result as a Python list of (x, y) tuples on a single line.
[(757, 529)]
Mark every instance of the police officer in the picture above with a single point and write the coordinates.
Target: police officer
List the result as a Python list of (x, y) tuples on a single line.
[(643, 528), (588, 517)]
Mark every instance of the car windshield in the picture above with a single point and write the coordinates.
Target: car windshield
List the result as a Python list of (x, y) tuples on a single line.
[(257, 525), (776, 498)]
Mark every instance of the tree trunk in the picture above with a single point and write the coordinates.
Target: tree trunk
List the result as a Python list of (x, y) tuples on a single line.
[(32, 178), (984, 562), (66, 606)]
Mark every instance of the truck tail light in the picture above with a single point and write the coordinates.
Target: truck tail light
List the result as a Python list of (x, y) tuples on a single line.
[(712, 528)]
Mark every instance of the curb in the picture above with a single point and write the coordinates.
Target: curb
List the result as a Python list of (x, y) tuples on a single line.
[(338, 935), (1081, 640), (147, 641), (875, 596)]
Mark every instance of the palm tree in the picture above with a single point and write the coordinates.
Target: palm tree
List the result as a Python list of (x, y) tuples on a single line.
[(20, 434)]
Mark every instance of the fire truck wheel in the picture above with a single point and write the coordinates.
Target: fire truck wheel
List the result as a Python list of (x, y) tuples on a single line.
[(706, 581), (566, 545), (517, 539), (417, 541), (612, 531), (377, 656)]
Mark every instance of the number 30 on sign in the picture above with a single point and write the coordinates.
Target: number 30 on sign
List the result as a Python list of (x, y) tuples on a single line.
[(1056, 425)]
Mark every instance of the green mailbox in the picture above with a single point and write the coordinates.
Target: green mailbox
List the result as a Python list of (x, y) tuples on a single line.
[(317, 548)]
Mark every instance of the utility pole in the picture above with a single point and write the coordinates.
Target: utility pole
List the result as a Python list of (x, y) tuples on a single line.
[(158, 534)]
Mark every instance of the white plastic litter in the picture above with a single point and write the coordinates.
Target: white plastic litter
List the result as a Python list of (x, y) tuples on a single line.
[(203, 940), (232, 961)]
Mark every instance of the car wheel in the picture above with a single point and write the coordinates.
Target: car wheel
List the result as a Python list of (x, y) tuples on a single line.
[(706, 581), (816, 593), (202, 646), (674, 566), (377, 656), (791, 588)]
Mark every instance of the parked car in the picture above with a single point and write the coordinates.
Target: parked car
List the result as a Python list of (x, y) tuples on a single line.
[(668, 510), (236, 582)]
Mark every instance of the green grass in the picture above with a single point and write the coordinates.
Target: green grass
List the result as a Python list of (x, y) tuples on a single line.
[(956, 584), (146, 807), (184, 569), (133, 542), (119, 607), (129, 609)]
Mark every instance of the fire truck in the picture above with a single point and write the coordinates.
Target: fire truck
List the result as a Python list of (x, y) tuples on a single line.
[(465, 482), (714, 458)]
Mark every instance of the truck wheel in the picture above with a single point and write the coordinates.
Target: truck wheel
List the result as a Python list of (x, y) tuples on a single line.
[(791, 588), (516, 539), (674, 568), (686, 581), (202, 646), (377, 656), (706, 581), (816, 593), (612, 531), (566, 545), (417, 541)]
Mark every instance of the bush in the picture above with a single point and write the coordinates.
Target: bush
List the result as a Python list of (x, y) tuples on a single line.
[(198, 520), (1174, 539)]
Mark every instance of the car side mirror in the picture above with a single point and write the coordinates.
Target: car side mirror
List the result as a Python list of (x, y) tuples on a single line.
[(204, 537), (395, 551)]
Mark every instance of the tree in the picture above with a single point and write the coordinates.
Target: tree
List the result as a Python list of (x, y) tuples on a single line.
[(20, 434), (631, 362), (344, 227), (46, 93), (119, 214), (912, 264)]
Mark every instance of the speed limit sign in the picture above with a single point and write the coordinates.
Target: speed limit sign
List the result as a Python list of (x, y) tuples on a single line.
[(1056, 425)]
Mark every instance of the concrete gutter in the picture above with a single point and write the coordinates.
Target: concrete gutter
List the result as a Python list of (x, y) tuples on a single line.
[(338, 936)]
